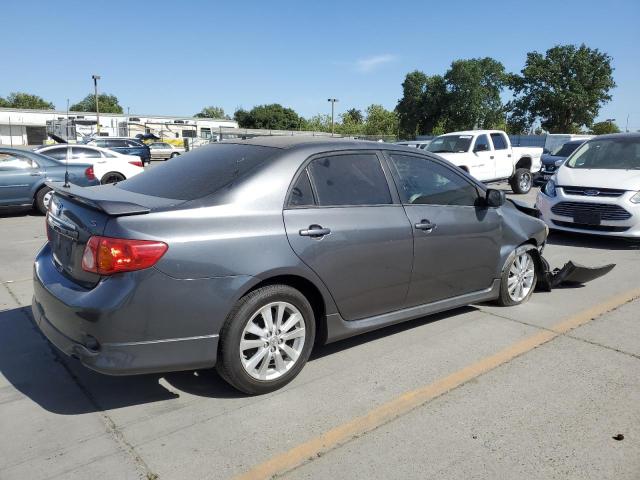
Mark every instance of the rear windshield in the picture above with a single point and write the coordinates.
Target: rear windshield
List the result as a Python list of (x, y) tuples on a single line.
[(199, 173), (566, 149)]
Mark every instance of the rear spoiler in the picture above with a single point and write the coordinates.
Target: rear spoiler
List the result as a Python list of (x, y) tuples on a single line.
[(110, 207)]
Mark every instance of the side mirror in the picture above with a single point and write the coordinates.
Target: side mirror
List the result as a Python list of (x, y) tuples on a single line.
[(495, 198), (483, 147)]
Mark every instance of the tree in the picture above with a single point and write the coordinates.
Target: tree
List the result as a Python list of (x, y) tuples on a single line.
[(602, 128), (565, 88), (107, 103), (318, 123), (473, 94), (212, 112), (25, 100), (380, 121), (271, 117), (352, 122), (423, 104)]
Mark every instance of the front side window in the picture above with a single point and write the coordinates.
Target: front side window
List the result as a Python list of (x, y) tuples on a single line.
[(59, 153), (499, 143), (353, 179), (301, 194), (622, 153), (482, 144), (423, 181)]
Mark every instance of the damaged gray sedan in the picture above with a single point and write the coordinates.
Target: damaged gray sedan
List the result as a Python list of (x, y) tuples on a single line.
[(245, 254)]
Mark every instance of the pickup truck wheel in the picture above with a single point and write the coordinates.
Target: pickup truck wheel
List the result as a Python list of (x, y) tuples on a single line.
[(521, 181)]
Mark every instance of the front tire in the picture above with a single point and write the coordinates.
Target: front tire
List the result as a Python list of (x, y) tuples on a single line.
[(173, 155), (521, 181), (518, 279), (266, 340)]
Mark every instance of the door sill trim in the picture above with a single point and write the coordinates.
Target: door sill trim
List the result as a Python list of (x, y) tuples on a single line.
[(338, 328)]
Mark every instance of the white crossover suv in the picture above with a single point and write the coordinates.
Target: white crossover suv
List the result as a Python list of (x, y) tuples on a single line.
[(597, 190)]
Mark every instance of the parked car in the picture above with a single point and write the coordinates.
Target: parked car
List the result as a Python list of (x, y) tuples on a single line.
[(597, 189), (164, 151), (488, 156), (23, 175), (553, 141), (123, 145), (266, 245), (108, 166), (421, 144), (552, 161)]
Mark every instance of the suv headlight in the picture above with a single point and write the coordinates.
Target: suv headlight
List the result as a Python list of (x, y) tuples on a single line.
[(550, 189), (635, 198)]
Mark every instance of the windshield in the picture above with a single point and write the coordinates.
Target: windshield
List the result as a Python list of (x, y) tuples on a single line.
[(621, 153), (450, 144), (566, 149)]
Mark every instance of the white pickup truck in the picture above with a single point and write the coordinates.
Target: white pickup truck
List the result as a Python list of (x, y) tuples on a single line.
[(488, 156)]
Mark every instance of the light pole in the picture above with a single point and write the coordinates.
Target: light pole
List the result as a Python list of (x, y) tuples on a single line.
[(95, 89), (333, 102), (128, 126), (67, 120)]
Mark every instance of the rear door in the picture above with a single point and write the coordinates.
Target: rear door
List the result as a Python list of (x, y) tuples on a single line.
[(502, 153), (17, 175), (344, 223), (456, 239)]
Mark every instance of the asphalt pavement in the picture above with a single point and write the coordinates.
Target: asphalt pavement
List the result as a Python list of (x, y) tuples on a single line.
[(545, 390)]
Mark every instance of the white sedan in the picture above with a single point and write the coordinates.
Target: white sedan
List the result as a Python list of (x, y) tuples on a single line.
[(597, 190), (108, 166)]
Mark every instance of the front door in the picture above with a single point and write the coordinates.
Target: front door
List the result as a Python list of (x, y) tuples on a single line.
[(485, 165), (456, 238), (343, 223)]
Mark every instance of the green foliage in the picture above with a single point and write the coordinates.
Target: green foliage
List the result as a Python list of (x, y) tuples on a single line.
[(107, 103), (380, 121), (318, 123), (467, 96), (473, 94), (602, 128), (270, 117), (25, 100), (212, 112), (353, 116), (565, 88)]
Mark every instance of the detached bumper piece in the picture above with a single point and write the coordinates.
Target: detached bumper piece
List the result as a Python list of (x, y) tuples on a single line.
[(571, 273)]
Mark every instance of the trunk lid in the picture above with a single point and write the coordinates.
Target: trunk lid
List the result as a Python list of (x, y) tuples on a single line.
[(75, 214)]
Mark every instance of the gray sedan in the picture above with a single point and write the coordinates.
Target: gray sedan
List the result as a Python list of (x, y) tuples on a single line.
[(23, 175), (245, 254), (164, 151)]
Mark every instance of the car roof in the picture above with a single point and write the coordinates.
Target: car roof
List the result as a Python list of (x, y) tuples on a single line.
[(287, 142), (472, 132), (612, 136)]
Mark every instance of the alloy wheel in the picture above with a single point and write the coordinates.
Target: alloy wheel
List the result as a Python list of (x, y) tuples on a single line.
[(521, 276), (525, 181), (47, 198), (272, 341)]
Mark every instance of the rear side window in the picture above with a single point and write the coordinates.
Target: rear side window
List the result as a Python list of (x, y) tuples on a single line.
[(499, 143), (354, 179), (199, 173), (301, 194), (423, 181), (59, 153), (83, 152)]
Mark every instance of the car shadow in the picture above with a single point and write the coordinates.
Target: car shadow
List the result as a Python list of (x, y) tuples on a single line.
[(569, 239), (19, 212), (61, 385)]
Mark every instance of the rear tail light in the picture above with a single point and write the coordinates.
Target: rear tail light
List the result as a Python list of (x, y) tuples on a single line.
[(106, 256), (89, 173), (137, 163)]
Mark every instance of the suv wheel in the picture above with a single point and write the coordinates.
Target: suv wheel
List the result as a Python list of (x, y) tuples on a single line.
[(266, 339), (518, 280), (521, 181)]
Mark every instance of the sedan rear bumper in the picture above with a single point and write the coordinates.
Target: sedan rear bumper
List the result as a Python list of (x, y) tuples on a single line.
[(135, 323)]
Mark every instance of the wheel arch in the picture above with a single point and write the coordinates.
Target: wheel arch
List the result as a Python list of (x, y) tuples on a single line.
[(524, 162)]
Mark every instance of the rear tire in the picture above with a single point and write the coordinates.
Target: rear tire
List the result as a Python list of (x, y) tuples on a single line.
[(43, 196), (173, 155), (112, 177), (521, 181), (518, 279), (257, 352)]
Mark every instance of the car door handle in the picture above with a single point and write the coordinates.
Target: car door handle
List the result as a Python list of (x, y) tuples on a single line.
[(491, 157), (509, 155), (37, 174), (426, 225), (315, 231)]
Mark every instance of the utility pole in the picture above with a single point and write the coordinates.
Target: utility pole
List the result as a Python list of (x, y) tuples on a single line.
[(626, 128), (128, 126), (67, 122), (95, 89), (333, 102)]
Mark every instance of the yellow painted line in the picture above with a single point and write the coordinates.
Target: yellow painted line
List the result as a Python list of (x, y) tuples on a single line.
[(408, 401)]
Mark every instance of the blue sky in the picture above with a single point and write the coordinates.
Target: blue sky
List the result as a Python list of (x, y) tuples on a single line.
[(176, 57)]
